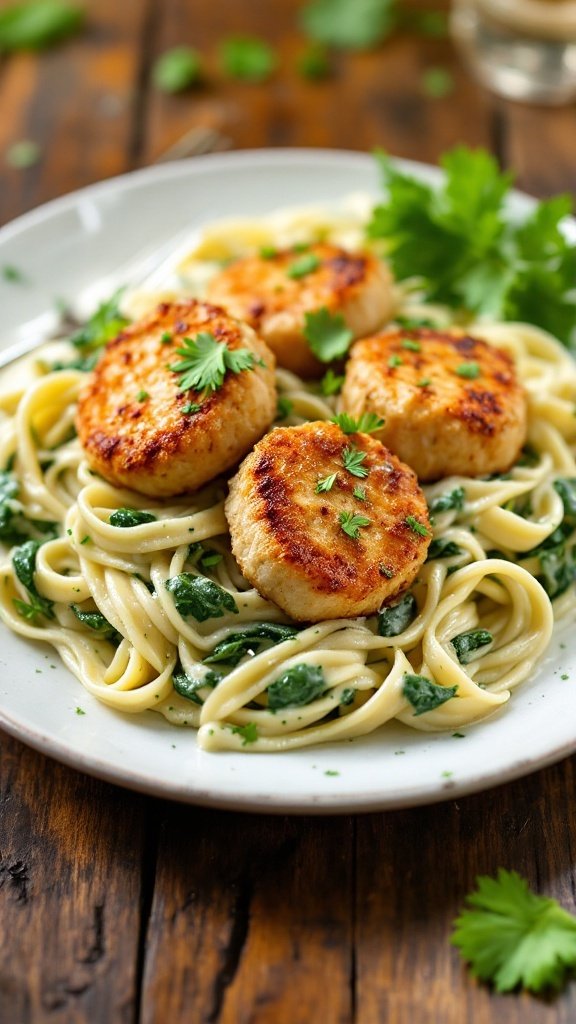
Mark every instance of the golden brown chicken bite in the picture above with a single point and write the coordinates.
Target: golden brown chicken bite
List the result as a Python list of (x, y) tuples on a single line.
[(451, 403), (326, 525), (141, 430), (274, 292)]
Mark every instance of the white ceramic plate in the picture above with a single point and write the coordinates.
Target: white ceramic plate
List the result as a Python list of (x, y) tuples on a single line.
[(63, 248)]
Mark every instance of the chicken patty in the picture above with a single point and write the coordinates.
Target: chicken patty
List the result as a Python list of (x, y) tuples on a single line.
[(141, 430), (451, 404), (326, 525), (274, 292)]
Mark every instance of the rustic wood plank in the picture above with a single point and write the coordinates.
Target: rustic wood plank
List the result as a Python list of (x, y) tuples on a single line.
[(251, 921), (71, 856), (428, 860), (372, 99), (539, 147), (77, 102)]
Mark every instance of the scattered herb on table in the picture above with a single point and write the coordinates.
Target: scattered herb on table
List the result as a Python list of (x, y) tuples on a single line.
[(355, 26), (38, 24), (514, 938), (247, 58), (177, 69)]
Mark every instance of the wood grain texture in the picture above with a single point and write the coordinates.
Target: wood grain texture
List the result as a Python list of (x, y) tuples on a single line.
[(71, 868)]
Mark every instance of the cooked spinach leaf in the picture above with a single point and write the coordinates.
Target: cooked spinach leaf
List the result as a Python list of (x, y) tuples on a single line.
[(450, 499), (249, 640), (127, 517), (188, 687), (442, 547), (297, 686), (465, 644), (395, 618), (199, 597), (24, 563), (97, 622), (424, 695)]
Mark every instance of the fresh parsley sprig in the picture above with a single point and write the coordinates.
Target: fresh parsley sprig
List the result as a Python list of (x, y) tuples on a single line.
[(327, 334), (367, 423), (512, 937), (206, 361), (352, 523), (352, 460)]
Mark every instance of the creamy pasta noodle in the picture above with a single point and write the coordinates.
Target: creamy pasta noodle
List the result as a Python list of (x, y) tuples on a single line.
[(100, 573)]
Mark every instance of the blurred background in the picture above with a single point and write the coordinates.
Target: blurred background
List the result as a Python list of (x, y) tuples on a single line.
[(94, 89)]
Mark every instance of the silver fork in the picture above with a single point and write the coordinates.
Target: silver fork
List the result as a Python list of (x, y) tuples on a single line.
[(197, 141)]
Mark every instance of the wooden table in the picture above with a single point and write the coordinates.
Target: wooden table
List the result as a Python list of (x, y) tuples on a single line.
[(115, 907)]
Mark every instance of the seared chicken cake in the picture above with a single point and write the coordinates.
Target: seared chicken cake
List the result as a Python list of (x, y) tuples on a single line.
[(326, 525), (139, 429), (273, 293), (451, 403)]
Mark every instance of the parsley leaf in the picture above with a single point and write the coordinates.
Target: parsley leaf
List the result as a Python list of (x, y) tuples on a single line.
[(424, 695), (102, 326), (206, 362), (470, 370), (331, 383), (469, 254), (326, 484), (352, 460), (355, 26), (248, 732), (247, 58), (37, 24), (367, 423), (126, 517), (199, 597), (416, 526), (177, 69), (510, 936), (306, 264), (351, 523), (299, 685), (327, 334)]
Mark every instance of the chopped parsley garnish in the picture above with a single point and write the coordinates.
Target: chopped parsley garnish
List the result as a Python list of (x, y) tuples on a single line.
[(200, 598), (313, 63), (465, 644), (395, 361), (327, 334), (448, 500), (331, 383), (416, 526), (470, 370), (347, 696), (511, 937), (355, 26), (306, 264), (177, 69), (249, 640), (127, 517), (248, 732), (325, 485), (359, 492), (296, 687), (351, 523), (268, 252), (395, 618), (469, 253), (424, 383), (367, 423), (424, 695), (102, 326), (206, 362), (352, 460), (166, 338), (13, 274), (247, 58), (142, 396), (190, 408), (411, 345)]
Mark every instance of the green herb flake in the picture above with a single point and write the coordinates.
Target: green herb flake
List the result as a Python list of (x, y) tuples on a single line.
[(247, 58), (386, 571), (80, 711), (200, 598), (177, 69), (424, 383), (331, 383), (331, 772), (327, 334), (411, 345), (303, 266), (470, 370), (190, 408), (424, 695), (437, 83), (416, 526), (142, 396), (268, 252), (466, 644), (359, 492), (395, 618), (206, 362), (249, 732), (313, 63), (326, 484), (367, 423), (352, 523), (128, 517), (38, 24), (352, 460), (23, 154), (24, 565), (296, 687), (166, 338), (13, 275), (355, 26), (395, 361)]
